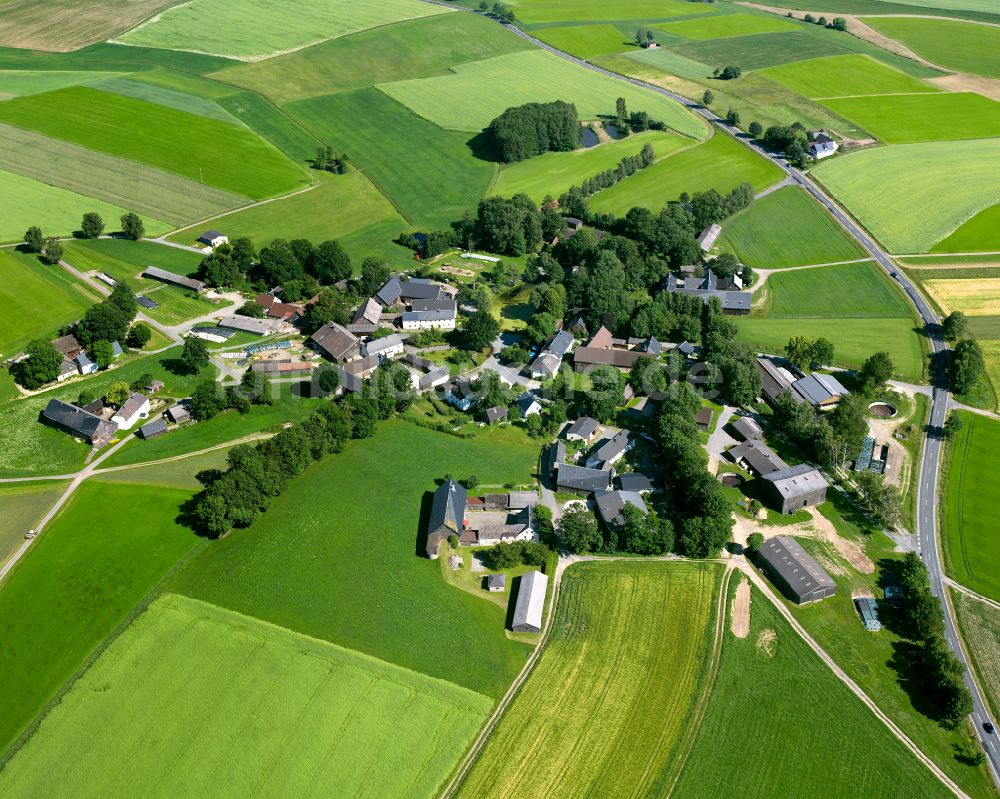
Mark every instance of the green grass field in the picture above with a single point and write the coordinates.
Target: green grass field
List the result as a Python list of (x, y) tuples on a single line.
[(586, 10), (166, 96), (416, 48), (124, 259), (305, 716), (253, 28), (479, 91), (56, 211), (972, 530), (150, 192), (226, 156), (787, 228), (21, 82), (608, 703), (853, 339), (274, 125), (586, 41), (722, 26), (338, 206), (22, 505), (981, 232), (430, 174), (173, 474), (320, 547), (720, 163), (844, 76), (955, 179), (961, 46), (91, 566), (759, 51), (554, 173), (849, 290), (46, 298), (759, 735), (909, 118), (980, 626)]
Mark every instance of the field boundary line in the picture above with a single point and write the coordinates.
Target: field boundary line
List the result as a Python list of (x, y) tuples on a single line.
[(957, 586), (183, 456), (199, 222)]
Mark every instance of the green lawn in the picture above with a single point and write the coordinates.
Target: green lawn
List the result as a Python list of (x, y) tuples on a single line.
[(759, 51), (760, 735), (554, 173), (46, 298), (971, 528), (720, 163), (787, 228), (853, 339), (430, 174), (479, 91), (249, 28), (608, 704), (338, 206), (587, 10), (81, 579), (981, 232), (844, 76), (955, 179), (961, 46), (279, 699), (851, 290), (22, 505), (587, 41), (722, 26), (152, 193), (416, 48), (909, 118), (226, 156), (347, 535)]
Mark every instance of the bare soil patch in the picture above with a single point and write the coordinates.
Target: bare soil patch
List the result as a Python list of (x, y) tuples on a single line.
[(960, 82), (740, 624), (767, 642)]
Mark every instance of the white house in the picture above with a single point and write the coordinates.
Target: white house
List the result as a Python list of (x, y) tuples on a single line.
[(85, 365), (822, 146), (460, 394), (385, 347), (528, 404), (431, 314), (135, 408), (213, 238)]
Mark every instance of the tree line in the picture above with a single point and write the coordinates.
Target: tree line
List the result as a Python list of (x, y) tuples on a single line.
[(627, 167)]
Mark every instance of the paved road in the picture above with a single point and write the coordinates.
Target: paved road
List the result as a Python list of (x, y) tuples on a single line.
[(927, 486)]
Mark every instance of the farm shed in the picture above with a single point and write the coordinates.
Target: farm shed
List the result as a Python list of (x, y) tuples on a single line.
[(553, 457), (795, 571), (530, 603), (747, 429), (868, 611), (757, 457), (496, 582), (635, 481), (611, 451), (708, 237), (385, 347), (175, 280), (496, 415), (78, 422), (794, 487), (447, 515), (213, 238), (582, 429), (337, 342), (247, 324), (703, 418), (152, 429)]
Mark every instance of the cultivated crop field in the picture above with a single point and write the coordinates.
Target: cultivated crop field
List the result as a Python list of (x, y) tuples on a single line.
[(844, 76), (151, 193), (956, 179), (479, 91), (46, 298), (787, 228), (980, 626), (441, 178), (607, 705), (971, 297), (253, 29), (981, 232), (306, 717), (854, 339), (908, 118), (585, 10), (91, 566), (554, 173), (961, 46), (759, 736), (586, 41), (319, 547), (226, 156), (272, 125), (721, 26), (972, 528), (761, 50), (191, 102), (20, 82), (22, 505), (855, 290), (720, 163)]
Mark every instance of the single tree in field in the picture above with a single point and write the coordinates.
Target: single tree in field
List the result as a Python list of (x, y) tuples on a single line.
[(40, 367), (954, 325), (92, 226), (755, 129), (53, 250), (33, 240), (733, 117), (102, 354), (953, 425), (484, 6), (755, 541), (194, 356), (707, 97), (132, 227), (138, 336)]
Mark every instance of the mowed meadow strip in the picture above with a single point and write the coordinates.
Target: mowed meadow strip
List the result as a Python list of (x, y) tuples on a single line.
[(204, 701), (226, 156), (131, 185), (609, 701)]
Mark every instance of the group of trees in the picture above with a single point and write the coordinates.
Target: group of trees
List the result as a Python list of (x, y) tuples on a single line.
[(507, 555), (50, 249), (838, 23), (329, 160), (937, 668), (209, 399), (108, 320), (502, 12), (883, 501), (728, 73), (733, 361), (792, 140), (700, 510), (644, 36), (875, 373), (534, 128), (639, 533), (806, 353), (831, 439), (627, 167), (967, 364)]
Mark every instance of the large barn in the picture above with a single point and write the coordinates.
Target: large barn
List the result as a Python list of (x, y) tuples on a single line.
[(795, 571), (530, 603)]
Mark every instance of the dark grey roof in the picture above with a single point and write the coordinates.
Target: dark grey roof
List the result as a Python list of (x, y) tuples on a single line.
[(819, 389), (178, 413), (581, 478), (554, 455), (170, 277), (442, 372), (526, 400), (496, 581), (759, 457), (560, 343), (610, 505), (82, 360), (389, 293), (635, 481), (530, 602), (613, 447), (803, 576), (447, 306), (584, 427), (336, 341), (496, 414), (153, 428), (427, 316), (794, 481), (652, 346), (420, 363), (686, 347), (747, 428), (421, 289), (76, 420), (147, 303), (208, 235), (448, 508)]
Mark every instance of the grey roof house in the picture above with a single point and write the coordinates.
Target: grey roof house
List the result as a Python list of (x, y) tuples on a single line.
[(447, 515), (581, 480), (582, 429), (78, 422), (794, 487), (337, 342), (610, 505), (795, 571)]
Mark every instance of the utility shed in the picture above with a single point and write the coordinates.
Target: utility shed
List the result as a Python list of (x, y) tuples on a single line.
[(868, 610), (530, 603), (794, 487), (795, 571)]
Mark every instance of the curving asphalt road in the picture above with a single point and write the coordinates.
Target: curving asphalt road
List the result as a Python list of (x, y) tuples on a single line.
[(927, 485)]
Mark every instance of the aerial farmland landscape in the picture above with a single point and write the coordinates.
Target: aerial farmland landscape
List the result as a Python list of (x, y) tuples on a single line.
[(418, 399)]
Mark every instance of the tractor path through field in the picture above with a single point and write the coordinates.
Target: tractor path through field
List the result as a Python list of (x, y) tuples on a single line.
[(961, 406), (764, 274), (786, 181), (969, 592)]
